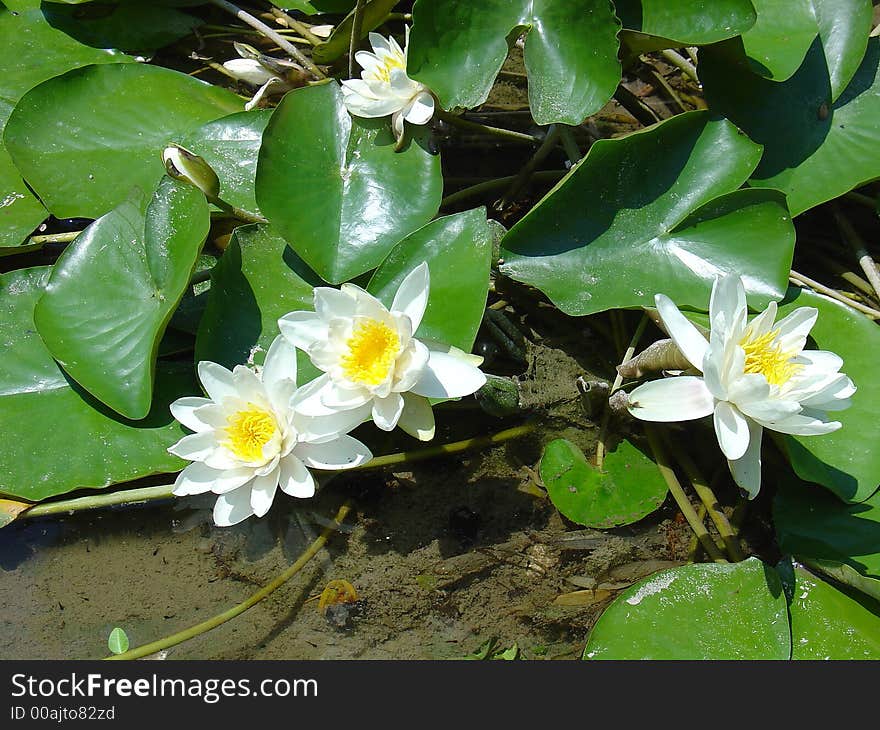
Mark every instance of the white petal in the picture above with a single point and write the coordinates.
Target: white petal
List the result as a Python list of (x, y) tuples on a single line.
[(263, 492), (249, 70), (794, 328), (411, 298), (378, 42), (768, 412), (198, 478), (195, 446), (296, 480), (386, 411), (361, 106), (417, 418), (303, 329), (233, 507), (248, 385), (834, 396), (337, 397), (447, 376), (763, 323), (308, 400), (421, 109), (681, 398), (342, 453), (746, 470), (326, 428), (821, 359), (330, 302), (184, 410), (216, 380), (747, 389), (280, 362), (410, 366), (397, 125), (732, 430), (687, 337), (805, 425), (728, 301)]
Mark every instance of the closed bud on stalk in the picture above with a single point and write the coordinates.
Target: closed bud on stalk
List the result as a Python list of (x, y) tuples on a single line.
[(186, 166)]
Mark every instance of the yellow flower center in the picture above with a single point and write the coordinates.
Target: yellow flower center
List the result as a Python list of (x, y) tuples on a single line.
[(372, 351), (765, 356), (249, 431), (389, 63)]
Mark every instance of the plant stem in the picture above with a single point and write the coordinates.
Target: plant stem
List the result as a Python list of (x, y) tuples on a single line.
[(522, 178), (569, 144), (253, 600), (805, 281), (709, 500), (606, 417), (357, 24), (681, 63), (684, 504), (500, 182), (242, 215), (508, 134), (852, 237), (164, 491), (863, 199), (66, 237), (300, 28), (282, 42)]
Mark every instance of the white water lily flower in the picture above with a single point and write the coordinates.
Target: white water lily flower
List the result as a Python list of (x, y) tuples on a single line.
[(756, 375), (384, 88), (248, 441), (372, 363)]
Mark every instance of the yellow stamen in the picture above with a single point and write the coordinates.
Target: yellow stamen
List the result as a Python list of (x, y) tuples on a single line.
[(765, 356), (249, 431), (383, 71), (372, 351)]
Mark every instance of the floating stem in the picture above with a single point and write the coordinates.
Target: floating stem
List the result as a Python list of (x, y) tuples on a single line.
[(212, 623)]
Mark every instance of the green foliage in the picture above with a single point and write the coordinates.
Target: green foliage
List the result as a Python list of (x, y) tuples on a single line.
[(41, 408), (356, 198), (654, 212), (111, 293), (828, 624), (815, 149), (701, 611), (230, 145), (108, 127), (117, 642), (650, 25), (373, 14), (457, 48), (626, 489)]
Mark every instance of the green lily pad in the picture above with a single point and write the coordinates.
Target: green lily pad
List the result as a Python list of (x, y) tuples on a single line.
[(814, 526), (457, 48), (701, 611), (828, 624), (258, 280), (814, 149), (31, 51), (40, 407), (113, 290), (230, 146), (86, 139), (846, 461), (337, 45), (628, 488), (655, 211), (845, 575), (334, 187), (457, 249), (649, 25), (131, 27), (785, 30)]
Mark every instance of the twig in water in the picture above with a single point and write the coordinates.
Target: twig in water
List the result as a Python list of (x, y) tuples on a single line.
[(805, 281)]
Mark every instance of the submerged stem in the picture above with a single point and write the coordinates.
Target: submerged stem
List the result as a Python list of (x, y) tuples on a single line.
[(684, 504), (164, 491), (221, 618), (508, 134)]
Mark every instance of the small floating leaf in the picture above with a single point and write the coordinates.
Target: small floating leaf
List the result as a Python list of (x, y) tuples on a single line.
[(118, 641), (628, 488)]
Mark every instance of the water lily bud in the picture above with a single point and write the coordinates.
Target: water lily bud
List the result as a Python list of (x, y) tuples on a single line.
[(181, 164), (248, 70)]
